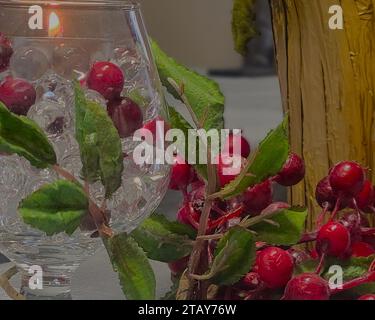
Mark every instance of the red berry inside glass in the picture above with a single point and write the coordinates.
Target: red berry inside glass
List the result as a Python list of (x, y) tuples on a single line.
[(6, 52), (107, 79), (347, 178), (182, 174), (237, 141), (275, 267), (292, 172), (333, 239), (126, 115), (17, 94), (258, 198), (307, 286)]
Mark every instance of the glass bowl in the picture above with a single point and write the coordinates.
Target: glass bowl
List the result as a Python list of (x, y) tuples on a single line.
[(46, 45)]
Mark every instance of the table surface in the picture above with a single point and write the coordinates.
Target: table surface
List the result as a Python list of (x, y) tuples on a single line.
[(252, 104)]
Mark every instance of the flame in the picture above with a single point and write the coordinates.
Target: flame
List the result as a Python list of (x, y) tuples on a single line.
[(54, 27)]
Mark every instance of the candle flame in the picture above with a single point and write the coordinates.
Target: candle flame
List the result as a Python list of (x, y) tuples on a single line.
[(54, 28)]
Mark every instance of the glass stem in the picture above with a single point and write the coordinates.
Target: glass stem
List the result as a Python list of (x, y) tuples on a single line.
[(46, 286)]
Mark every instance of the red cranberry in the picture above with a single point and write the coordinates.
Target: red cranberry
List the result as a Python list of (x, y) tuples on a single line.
[(365, 198), (370, 239), (362, 249), (179, 266), (314, 254), (258, 198), (353, 222), (347, 178), (18, 95), (250, 281), (107, 79), (367, 297), (307, 286), (298, 256), (275, 267), (333, 238), (187, 215), (292, 172), (197, 197), (239, 141), (182, 174), (127, 116), (324, 194), (227, 168), (325, 197), (155, 126), (6, 52)]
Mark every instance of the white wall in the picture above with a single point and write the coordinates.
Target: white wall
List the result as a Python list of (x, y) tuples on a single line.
[(196, 32)]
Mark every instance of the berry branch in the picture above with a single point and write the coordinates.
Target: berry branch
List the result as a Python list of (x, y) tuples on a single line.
[(198, 261)]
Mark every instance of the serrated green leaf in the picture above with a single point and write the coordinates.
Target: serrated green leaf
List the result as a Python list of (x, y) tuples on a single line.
[(22, 136), (308, 266), (134, 270), (55, 208), (203, 94), (271, 155), (243, 24), (234, 256), (288, 230), (99, 142), (177, 121), (164, 240), (354, 267)]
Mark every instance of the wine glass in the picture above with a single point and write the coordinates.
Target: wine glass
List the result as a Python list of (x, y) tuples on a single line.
[(45, 46)]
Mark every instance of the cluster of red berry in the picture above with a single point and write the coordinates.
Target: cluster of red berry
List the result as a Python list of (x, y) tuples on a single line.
[(252, 202), (18, 95), (349, 236)]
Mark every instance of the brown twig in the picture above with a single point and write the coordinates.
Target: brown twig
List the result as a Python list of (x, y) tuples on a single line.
[(181, 92), (196, 262), (96, 213), (7, 287), (200, 243)]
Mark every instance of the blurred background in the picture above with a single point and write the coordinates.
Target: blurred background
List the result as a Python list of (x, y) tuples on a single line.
[(198, 34)]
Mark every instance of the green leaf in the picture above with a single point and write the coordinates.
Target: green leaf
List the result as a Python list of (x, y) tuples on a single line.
[(234, 256), (177, 121), (22, 136), (55, 207), (203, 94), (243, 24), (289, 227), (307, 266), (130, 261), (99, 143), (352, 268), (271, 155), (164, 240)]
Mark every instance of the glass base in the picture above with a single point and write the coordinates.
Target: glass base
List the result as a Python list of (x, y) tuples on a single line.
[(52, 287)]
